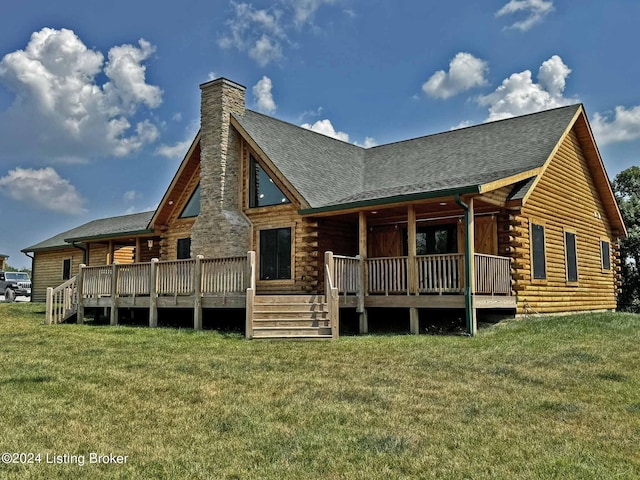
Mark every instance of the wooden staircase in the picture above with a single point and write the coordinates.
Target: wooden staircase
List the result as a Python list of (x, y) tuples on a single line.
[(62, 302), (291, 317)]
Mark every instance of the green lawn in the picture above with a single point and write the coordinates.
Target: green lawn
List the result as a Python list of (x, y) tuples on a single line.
[(538, 398)]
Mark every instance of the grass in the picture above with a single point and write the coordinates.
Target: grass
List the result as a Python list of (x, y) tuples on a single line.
[(540, 398)]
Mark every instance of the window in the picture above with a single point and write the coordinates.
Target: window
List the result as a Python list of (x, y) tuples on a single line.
[(537, 250), (192, 209), (275, 254), (263, 191), (571, 259), (605, 249), (66, 269), (183, 248), (434, 240)]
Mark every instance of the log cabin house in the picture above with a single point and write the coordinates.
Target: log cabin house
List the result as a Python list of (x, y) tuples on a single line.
[(515, 216), (3, 261)]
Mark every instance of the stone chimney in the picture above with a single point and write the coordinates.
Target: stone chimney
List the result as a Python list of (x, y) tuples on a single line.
[(221, 230)]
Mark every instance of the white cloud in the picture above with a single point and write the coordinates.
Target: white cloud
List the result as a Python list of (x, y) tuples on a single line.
[(43, 189), (176, 151), (265, 51), (326, 128), (263, 33), (463, 124), (369, 142), (304, 10), (310, 114), (212, 76), (519, 95), (263, 96), (130, 196), (623, 127), (534, 10), (465, 72), (60, 112), (177, 117)]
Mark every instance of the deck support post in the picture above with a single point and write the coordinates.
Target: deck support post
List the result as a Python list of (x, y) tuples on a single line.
[(414, 321), (469, 264), (80, 294), (251, 292), (114, 295), (153, 293), (362, 283), (197, 293)]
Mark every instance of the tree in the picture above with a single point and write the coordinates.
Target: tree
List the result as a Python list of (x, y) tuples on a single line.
[(626, 187)]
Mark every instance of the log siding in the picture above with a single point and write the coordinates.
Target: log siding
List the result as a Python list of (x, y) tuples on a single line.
[(565, 199)]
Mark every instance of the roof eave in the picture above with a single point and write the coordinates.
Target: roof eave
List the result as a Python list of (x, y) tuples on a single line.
[(42, 249), (133, 233), (395, 199)]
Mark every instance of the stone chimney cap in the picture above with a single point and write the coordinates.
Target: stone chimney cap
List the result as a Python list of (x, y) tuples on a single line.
[(225, 81)]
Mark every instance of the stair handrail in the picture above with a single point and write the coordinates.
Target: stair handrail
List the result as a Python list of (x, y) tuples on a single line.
[(61, 301)]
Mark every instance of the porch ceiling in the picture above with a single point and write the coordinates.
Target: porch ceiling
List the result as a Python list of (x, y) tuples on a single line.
[(443, 207)]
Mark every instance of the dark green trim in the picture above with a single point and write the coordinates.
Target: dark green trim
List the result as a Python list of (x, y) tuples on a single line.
[(391, 200), (110, 236), (44, 249)]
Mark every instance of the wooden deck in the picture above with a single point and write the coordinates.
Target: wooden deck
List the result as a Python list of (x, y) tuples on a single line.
[(432, 281)]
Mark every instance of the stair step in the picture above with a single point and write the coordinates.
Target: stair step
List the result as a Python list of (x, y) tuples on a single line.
[(291, 331), (293, 322), (294, 337), (291, 299), (290, 307), (292, 315)]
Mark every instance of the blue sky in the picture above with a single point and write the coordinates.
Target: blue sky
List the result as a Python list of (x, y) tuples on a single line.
[(99, 100)]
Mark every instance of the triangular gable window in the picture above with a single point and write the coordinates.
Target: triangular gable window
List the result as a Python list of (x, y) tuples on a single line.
[(263, 190), (192, 209)]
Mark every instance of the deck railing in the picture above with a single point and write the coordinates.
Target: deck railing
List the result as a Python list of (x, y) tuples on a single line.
[(435, 274), (175, 277), (345, 273), (440, 273), (133, 279), (172, 278), (224, 275), (387, 275), (96, 281), (493, 274)]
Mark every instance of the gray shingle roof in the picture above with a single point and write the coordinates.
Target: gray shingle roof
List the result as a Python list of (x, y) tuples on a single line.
[(104, 227), (328, 172), (319, 167)]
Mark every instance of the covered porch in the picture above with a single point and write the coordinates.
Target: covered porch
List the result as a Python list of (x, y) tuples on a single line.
[(443, 253)]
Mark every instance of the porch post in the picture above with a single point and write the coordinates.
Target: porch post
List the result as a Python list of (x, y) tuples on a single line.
[(362, 290), (472, 266), (469, 264), (197, 293), (80, 294), (114, 295), (137, 254), (153, 293), (412, 271)]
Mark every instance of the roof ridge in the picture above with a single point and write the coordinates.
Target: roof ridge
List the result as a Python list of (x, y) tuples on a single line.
[(477, 125)]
